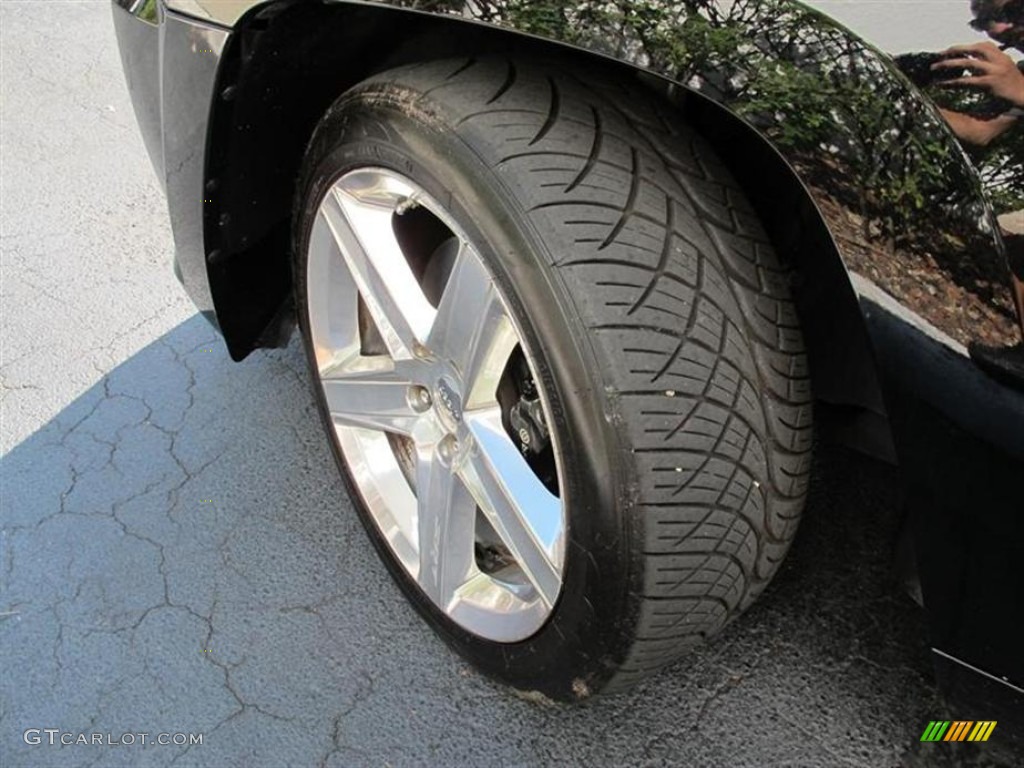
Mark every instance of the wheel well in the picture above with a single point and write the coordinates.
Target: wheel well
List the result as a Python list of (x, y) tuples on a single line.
[(288, 62)]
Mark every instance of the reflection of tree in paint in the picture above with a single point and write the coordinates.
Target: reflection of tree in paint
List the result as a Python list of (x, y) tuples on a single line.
[(1001, 163), (864, 140)]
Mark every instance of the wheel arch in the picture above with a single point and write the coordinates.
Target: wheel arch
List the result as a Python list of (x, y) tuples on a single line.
[(261, 121)]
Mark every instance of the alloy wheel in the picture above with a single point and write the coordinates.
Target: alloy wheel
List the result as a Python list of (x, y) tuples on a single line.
[(434, 404)]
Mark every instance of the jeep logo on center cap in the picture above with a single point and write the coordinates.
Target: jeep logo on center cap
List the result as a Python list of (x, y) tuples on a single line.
[(450, 398)]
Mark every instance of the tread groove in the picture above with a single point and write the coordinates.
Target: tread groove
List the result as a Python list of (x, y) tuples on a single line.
[(553, 112), (630, 208), (510, 79), (595, 151), (666, 251), (469, 63)]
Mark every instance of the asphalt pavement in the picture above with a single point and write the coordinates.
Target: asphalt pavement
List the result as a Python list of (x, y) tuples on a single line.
[(179, 558)]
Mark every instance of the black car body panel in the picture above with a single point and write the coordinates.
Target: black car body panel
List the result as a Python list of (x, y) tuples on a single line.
[(174, 123), (869, 189)]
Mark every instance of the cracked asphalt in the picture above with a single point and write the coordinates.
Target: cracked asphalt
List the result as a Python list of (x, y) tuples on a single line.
[(179, 556)]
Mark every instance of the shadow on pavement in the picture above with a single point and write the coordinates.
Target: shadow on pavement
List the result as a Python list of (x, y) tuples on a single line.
[(179, 556)]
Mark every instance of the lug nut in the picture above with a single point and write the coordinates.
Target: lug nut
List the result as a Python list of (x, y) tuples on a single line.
[(448, 448), (419, 398)]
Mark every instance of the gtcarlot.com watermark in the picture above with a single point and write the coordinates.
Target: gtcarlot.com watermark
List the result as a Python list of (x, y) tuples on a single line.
[(55, 736)]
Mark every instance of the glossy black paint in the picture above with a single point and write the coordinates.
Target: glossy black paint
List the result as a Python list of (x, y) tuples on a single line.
[(900, 205), (191, 52), (179, 92), (961, 461)]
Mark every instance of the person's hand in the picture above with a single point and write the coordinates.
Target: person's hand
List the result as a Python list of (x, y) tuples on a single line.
[(995, 71), (977, 131)]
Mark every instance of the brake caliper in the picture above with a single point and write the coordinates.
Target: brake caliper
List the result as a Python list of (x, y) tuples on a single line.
[(527, 418)]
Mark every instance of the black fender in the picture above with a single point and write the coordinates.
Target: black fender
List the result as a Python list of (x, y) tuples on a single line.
[(853, 170)]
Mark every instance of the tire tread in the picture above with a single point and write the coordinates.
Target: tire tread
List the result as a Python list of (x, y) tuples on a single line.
[(689, 312)]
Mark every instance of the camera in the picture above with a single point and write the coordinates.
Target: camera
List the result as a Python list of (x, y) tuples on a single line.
[(918, 67)]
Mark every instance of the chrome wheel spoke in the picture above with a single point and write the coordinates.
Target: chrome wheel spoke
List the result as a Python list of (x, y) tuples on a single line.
[(333, 299), (473, 330), (363, 231), (411, 389), (524, 513), (445, 517), (372, 399)]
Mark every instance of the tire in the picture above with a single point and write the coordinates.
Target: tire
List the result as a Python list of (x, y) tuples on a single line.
[(655, 319)]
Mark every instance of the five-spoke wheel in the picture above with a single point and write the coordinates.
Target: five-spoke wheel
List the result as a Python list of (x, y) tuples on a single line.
[(411, 381), (557, 361)]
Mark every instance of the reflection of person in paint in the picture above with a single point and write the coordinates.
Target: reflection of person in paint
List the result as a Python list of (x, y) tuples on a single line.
[(996, 73), (992, 70)]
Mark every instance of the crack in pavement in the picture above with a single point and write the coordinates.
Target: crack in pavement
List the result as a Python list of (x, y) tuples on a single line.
[(364, 689)]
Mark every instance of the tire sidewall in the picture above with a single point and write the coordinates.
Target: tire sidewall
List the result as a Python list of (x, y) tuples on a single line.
[(590, 629)]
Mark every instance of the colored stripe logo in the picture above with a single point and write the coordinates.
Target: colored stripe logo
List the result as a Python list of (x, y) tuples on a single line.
[(958, 730)]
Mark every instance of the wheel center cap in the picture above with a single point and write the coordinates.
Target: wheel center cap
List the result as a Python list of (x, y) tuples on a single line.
[(450, 403)]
